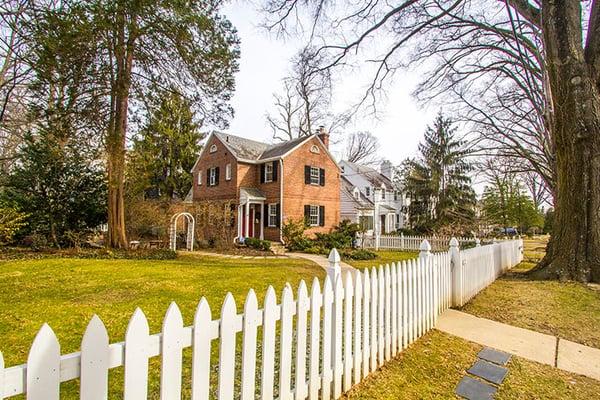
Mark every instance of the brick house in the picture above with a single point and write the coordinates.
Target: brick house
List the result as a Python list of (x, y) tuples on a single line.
[(270, 184)]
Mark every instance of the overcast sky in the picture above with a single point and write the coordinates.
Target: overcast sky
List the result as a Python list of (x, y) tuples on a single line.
[(265, 60)]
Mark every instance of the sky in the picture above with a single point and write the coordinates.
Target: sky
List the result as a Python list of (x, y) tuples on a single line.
[(265, 61)]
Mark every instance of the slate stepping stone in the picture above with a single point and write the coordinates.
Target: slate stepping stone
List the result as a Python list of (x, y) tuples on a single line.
[(472, 389), (488, 371), (495, 356)]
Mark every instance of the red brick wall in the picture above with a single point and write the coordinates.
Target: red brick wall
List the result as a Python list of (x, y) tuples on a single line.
[(225, 190)]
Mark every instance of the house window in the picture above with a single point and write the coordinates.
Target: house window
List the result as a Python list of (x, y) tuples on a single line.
[(315, 176), (366, 222), (272, 215), (228, 172), (367, 191), (269, 172), (343, 169), (395, 195), (212, 177), (213, 148), (313, 219), (356, 193), (315, 149), (199, 178), (382, 194)]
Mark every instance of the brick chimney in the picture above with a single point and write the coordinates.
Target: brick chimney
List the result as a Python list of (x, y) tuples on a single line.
[(324, 136)]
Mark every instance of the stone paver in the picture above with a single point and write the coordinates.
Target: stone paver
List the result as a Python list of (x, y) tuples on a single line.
[(488, 371), (577, 358), (473, 389), (521, 342), (495, 356)]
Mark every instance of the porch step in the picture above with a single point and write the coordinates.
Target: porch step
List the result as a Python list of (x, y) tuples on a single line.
[(278, 248)]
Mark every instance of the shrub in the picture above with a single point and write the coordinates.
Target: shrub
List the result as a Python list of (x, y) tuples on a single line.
[(342, 236), (11, 220), (258, 244), (358, 254), (315, 250), (292, 233)]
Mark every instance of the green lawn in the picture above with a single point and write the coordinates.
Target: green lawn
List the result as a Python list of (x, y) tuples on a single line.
[(66, 292), (383, 257), (432, 367)]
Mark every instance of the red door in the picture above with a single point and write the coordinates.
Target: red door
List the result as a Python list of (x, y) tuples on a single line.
[(245, 231)]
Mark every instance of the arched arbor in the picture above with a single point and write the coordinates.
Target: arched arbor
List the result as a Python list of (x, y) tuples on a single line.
[(189, 238)]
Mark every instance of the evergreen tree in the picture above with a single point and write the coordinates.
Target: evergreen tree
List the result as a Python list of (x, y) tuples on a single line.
[(438, 183), (165, 149), (58, 185)]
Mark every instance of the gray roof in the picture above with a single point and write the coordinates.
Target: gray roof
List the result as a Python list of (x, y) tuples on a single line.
[(248, 149), (362, 201), (375, 177)]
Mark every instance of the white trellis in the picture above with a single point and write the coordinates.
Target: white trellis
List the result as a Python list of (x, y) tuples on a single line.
[(189, 239)]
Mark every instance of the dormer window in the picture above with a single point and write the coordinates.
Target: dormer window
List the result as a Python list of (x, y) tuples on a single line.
[(315, 149), (367, 191), (213, 148), (356, 193)]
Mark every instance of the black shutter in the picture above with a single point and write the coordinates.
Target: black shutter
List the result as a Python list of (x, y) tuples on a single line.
[(262, 173), (216, 176), (266, 215), (278, 213), (307, 214), (275, 165), (322, 177), (208, 177), (321, 215), (307, 174)]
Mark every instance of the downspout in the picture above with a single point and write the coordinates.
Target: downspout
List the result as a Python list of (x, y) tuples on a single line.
[(281, 200)]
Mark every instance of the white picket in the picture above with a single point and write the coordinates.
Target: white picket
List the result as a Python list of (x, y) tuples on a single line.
[(366, 348), (268, 345), (136, 357), (380, 315), (394, 308), (201, 344), (337, 337), (314, 382), (374, 313), (249, 329), (94, 362), (285, 344), (1, 376), (358, 352), (348, 310), (43, 366), (413, 300), (227, 333), (172, 354), (387, 314), (326, 351), (302, 306)]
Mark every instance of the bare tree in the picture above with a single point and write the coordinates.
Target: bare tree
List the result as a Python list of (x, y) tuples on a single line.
[(362, 147), (538, 64), (305, 101)]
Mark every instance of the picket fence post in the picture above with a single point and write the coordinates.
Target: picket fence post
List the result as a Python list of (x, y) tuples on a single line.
[(401, 241), (334, 271), (477, 242), (456, 272)]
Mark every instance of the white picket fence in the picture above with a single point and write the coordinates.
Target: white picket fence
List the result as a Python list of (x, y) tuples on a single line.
[(401, 242), (325, 342)]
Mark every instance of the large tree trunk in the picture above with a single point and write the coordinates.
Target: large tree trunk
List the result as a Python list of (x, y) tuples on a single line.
[(575, 249)]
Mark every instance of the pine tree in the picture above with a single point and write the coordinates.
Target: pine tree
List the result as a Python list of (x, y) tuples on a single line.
[(438, 182), (165, 149)]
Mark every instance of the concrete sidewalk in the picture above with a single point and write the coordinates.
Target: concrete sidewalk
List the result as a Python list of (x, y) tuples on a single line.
[(535, 346), (323, 262)]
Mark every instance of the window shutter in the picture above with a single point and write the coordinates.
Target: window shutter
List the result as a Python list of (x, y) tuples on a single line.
[(322, 177), (266, 215), (307, 213), (307, 174), (262, 173), (216, 176), (208, 177), (278, 213), (321, 215), (275, 165)]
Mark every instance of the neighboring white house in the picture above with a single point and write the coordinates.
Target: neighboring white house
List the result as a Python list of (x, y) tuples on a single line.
[(371, 198)]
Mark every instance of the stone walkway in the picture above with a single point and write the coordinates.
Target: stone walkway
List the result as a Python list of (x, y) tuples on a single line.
[(485, 376), (323, 262), (535, 346)]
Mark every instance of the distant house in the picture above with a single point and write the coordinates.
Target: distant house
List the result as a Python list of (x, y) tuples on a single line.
[(371, 198), (270, 183)]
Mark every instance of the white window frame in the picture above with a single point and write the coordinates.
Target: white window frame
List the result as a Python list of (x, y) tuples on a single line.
[(368, 191), (268, 172), (212, 180), (199, 178), (228, 172), (314, 214), (313, 176), (272, 209), (213, 148)]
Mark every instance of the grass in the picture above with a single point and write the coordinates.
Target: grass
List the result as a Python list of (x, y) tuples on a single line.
[(383, 257), (432, 367), (565, 309), (65, 293)]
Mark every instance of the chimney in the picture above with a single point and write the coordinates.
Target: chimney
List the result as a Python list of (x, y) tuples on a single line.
[(387, 169), (324, 136)]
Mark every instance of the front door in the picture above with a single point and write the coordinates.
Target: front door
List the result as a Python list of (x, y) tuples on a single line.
[(383, 225), (248, 231)]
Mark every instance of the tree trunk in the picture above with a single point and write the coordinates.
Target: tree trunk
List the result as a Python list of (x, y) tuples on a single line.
[(575, 249)]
